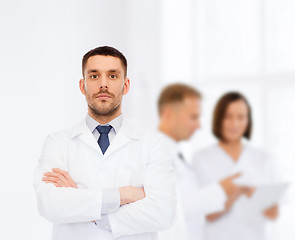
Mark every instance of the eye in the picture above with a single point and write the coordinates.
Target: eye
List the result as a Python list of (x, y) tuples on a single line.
[(113, 76), (94, 76)]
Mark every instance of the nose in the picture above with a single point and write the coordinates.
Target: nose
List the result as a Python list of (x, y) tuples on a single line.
[(235, 123), (104, 83)]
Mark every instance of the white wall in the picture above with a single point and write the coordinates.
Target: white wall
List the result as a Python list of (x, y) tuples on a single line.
[(244, 45), (42, 44)]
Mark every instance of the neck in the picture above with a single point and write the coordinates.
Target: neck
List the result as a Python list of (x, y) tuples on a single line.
[(103, 119), (164, 128), (232, 148), (231, 144)]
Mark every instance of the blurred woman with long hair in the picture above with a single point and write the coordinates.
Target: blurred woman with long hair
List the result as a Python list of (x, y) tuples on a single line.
[(232, 121)]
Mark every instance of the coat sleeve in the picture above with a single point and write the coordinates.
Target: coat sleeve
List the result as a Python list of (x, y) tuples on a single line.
[(157, 210), (63, 205)]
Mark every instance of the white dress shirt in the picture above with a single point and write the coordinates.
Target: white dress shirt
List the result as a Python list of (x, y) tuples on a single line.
[(115, 123)]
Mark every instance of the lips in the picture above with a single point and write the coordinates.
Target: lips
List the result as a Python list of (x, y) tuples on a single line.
[(103, 96)]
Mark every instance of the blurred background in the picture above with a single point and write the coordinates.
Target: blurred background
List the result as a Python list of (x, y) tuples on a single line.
[(213, 45)]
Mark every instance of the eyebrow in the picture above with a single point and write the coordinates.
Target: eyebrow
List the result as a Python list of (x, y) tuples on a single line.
[(92, 71), (109, 71), (114, 71)]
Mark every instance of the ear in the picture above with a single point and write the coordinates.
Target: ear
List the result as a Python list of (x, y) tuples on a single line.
[(82, 86), (172, 111), (126, 86), (166, 111)]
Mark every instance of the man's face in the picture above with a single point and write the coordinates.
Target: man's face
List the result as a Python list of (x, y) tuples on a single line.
[(186, 117), (104, 84)]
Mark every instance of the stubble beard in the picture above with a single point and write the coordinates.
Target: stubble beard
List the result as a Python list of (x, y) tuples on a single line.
[(104, 109)]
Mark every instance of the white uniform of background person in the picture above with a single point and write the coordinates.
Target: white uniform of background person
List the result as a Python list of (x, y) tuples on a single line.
[(192, 202), (129, 161), (213, 164)]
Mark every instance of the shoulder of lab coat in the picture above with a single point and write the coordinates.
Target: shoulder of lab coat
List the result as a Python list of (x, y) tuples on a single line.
[(201, 160), (211, 158), (267, 161), (211, 196), (67, 205), (157, 210)]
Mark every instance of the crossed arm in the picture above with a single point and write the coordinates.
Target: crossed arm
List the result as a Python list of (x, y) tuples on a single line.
[(61, 178), (142, 210)]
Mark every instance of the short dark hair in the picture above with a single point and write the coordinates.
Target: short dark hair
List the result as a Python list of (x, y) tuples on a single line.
[(105, 51), (175, 93), (220, 110)]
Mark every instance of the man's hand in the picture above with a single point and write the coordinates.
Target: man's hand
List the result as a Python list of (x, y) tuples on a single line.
[(59, 178), (271, 213), (131, 194)]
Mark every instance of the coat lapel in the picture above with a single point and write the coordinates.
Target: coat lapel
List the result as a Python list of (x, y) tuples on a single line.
[(124, 136), (85, 135)]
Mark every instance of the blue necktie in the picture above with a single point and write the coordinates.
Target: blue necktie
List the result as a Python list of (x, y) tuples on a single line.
[(103, 140), (181, 156)]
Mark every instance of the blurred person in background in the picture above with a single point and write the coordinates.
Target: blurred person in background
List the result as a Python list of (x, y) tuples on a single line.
[(232, 121), (179, 107)]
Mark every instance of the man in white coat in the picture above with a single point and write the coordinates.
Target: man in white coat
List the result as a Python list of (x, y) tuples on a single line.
[(179, 108), (98, 179)]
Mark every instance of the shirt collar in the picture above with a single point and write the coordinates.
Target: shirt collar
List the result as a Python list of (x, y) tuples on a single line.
[(115, 123)]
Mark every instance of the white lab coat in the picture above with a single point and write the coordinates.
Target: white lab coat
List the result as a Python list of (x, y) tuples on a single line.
[(192, 203), (129, 160), (213, 164)]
